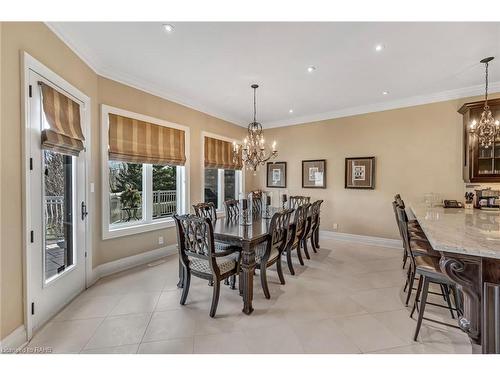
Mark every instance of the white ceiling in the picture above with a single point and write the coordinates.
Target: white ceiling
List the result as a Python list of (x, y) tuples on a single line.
[(210, 66)]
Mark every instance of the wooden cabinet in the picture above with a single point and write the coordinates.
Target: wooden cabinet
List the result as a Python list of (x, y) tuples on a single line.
[(480, 164)]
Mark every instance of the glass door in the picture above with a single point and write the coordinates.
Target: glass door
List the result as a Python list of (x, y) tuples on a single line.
[(57, 220)]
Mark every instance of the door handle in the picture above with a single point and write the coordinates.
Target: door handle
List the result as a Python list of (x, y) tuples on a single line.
[(84, 210)]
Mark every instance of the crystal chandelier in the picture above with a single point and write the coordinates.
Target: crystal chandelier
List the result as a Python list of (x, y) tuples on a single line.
[(253, 150), (487, 128)]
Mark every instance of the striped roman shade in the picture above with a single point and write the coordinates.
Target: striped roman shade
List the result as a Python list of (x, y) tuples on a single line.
[(136, 141), (219, 154), (64, 134)]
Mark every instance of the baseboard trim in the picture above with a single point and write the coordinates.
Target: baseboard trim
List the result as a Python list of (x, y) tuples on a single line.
[(14, 341), (369, 240), (123, 264)]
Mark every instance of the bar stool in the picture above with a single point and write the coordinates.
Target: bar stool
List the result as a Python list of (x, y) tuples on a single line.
[(426, 267)]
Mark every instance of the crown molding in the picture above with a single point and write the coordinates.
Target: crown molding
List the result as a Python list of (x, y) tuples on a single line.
[(108, 72), (394, 104)]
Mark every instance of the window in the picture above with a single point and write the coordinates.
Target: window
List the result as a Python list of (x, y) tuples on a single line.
[(139, 196), (221, 185)]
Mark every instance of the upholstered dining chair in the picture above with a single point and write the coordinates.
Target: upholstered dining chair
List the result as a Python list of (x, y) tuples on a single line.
[(298, 200), (297, 231), (199, 258), (256, 200), (232, 208), (269, 252), (312, 227), (427, 268), (207, 210)]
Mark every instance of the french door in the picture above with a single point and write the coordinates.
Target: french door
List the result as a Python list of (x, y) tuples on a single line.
[(57, 221)]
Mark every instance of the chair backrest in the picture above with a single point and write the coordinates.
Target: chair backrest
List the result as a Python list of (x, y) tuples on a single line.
[(195, 239), (315, 212), (299, 223), (405, 234), (207, 210), (232, 208), (278, 230), (395, 208), (256, 200), (298, 200)]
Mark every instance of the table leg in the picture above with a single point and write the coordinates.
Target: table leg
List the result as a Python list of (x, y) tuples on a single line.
[(248, 268)]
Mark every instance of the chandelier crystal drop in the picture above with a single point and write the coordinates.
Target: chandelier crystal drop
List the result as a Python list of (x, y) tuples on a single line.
[(487, 128), (253, 150)]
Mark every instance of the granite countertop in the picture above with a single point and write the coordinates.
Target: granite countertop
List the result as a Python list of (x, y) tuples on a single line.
[(464, 231)]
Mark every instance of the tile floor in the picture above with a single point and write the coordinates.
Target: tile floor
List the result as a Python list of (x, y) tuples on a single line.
[(347, 299)]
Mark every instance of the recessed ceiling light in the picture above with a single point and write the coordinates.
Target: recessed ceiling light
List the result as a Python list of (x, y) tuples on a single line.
[(311, 69), (168, 28), (385, 92), (379, 47), (290, 110)]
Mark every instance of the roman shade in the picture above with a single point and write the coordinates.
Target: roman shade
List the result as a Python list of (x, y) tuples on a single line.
[(219, 154), (136, 141), (64, 134)]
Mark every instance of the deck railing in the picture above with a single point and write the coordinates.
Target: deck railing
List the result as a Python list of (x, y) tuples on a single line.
[(164, 205)]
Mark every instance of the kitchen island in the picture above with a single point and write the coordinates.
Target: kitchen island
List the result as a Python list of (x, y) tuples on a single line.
[(469, 243)]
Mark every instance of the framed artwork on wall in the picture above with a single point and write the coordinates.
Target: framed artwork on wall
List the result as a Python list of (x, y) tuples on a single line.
[(360, 173), (276, 174), (314, 174)]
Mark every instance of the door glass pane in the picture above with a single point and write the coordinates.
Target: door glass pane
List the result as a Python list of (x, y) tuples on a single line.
[(164, 191), (211, 186), (58, 212), (125, 192), (229, 184)]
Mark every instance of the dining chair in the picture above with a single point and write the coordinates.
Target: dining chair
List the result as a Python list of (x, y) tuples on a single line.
[(199, 258), (269, 252), (207, 210), (232, 208), (297, 231), (427, 268), (312, 227), (256, 200), (297, 200)]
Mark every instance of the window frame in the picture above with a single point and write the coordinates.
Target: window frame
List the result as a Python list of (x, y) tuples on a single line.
[(239, 183), (146, 224)]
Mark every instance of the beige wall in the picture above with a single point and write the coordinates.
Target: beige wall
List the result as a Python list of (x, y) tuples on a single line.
[(417, 149), (42, 44)]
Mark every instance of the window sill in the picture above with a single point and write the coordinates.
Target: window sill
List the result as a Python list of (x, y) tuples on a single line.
[(137, 229)]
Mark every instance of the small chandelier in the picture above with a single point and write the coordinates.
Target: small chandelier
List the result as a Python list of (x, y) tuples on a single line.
[(253, 152), (487, 128)]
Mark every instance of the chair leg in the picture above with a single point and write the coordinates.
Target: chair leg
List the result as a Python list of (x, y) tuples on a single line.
[(263, 280), (280, 271), (289, 260), (305, 249), (316, 238), (313, 243), (417, 296), (299, 254), (215, 298), (448, 300), (185, 288), (240, 283), (407, 278), (410, 287), (423, 301), (405, 258), (233, 282)]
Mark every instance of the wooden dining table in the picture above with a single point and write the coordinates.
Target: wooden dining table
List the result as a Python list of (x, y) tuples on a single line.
[(232, 232)]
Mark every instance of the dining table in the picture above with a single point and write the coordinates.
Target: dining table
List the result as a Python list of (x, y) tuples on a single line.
[(248, 236)]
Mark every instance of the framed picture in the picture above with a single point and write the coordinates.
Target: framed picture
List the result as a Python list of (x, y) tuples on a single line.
[(360, 173), (314, 174), (276, 174)]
